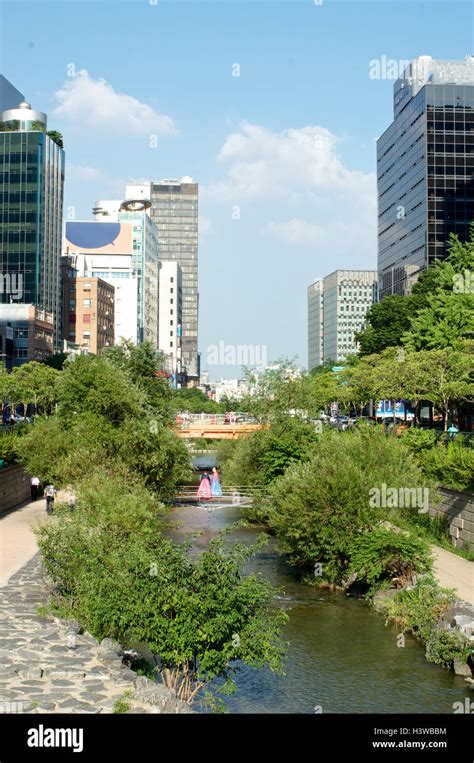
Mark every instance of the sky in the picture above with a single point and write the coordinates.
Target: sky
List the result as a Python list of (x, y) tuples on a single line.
[(273, 107)]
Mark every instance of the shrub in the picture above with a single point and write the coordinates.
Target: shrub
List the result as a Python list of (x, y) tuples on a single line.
[(419, 440), (419, 609), (446, 645), (451, 465), (319, 507), (384, 554)]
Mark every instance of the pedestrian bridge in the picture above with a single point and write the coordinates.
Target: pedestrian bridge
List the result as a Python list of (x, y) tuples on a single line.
[(215, 426)]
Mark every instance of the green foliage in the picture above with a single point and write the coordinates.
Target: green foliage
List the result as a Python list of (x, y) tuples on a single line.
[(447, 320), (10, 444), (118, 575), (418, 440), (91, 384), (386, 322), (419, 609), (142, 364), (319, 507), (122, 705), (383, 554), (276, 392), (57, 137), (194, 400), (263, 456), (445, 645), (57, 360), (434, 529), (451, 464)]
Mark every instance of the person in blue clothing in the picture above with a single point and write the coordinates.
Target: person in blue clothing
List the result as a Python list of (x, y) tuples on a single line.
[(215, 483)]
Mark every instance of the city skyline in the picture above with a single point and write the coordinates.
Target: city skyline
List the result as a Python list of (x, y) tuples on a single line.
[(286, 169)]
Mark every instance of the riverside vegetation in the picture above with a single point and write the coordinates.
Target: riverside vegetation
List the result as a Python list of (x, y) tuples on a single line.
[(113, 568)]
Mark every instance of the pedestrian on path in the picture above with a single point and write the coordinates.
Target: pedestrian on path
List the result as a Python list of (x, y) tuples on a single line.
[(204, 491), (50, 492), (215, 483), (34, 487)]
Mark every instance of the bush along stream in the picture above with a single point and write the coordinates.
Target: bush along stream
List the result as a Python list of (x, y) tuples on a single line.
[(345, 518)]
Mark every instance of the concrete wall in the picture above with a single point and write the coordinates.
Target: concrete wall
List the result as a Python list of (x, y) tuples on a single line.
[(14, 487), (459, 508)]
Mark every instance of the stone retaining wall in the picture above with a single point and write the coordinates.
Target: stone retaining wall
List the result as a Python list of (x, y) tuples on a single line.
[(48, 666), (459, 508), (14, 487)]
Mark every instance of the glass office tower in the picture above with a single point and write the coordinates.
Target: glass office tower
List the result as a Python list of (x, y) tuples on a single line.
[(31, 203), (174, 209), (425, 163)]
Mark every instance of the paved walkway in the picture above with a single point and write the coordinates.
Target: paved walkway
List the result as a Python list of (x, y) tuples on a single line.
[(17, 539), (453, 571), (48, 666)]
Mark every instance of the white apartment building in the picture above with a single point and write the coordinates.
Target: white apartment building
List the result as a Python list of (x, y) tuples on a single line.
[(170, 307)]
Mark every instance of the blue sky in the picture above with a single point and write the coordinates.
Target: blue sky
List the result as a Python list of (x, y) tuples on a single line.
[(284, 152)]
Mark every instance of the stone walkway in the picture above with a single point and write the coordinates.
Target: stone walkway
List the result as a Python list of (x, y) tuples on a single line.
[(47, 666)]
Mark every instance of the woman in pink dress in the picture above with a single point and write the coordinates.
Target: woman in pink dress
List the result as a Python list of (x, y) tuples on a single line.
[(204, 491)]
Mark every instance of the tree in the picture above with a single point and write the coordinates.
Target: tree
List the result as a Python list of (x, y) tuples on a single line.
[(441, 376), (57, 360), (57, 137), (142, 364), (198, 617), (386, 322), (444, 323), (276, 392), (35, 383), (94, 384)]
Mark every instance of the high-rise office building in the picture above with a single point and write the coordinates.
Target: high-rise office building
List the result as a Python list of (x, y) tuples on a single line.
[(10, 97), (174, 210), (31, 204), (425, 163), (315, 324), (337, 306)]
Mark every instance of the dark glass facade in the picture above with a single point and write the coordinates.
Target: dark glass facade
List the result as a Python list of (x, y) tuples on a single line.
[(425, 163), (31, 203), (174, 210)]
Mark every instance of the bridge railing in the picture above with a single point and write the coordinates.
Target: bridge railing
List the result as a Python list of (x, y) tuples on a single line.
[(237, 494), (184, 419)]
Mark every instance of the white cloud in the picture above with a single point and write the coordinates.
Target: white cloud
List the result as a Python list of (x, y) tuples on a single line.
[(305, 195), (293, 165), (95, 104)]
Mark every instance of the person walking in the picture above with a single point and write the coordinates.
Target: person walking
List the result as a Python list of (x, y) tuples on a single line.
[(50, 492), (34, 487), (204, 490), (216, 489)]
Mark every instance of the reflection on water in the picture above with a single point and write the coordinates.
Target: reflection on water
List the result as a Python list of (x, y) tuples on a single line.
[(341, 656)]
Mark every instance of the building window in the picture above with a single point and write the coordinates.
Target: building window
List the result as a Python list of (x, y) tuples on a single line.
[(21, 352), (87, 302), (86, 318), (86, 287)]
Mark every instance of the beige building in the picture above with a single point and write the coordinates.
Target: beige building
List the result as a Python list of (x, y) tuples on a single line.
[(88, 313)]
